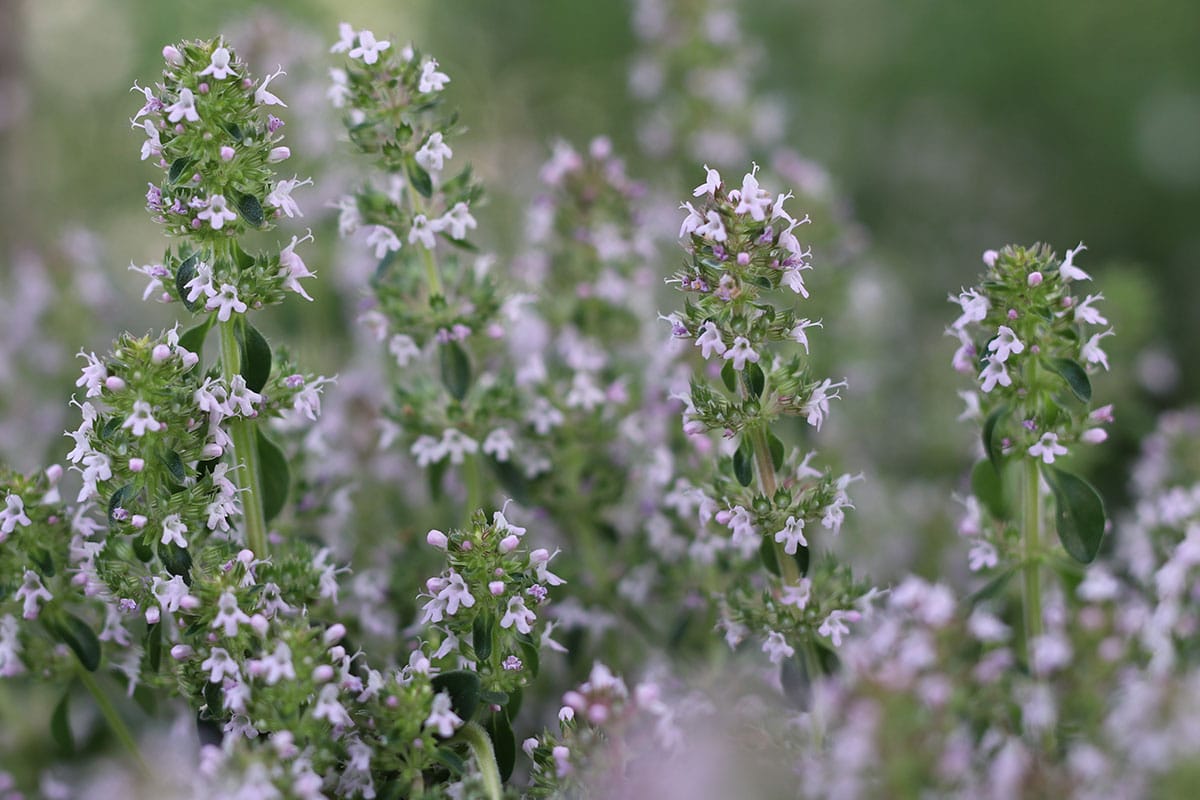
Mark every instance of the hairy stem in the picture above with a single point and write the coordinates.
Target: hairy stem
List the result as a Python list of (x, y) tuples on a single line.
[(109, 712), (788, 569), (1032, 534), (481, 746), (245, 450)]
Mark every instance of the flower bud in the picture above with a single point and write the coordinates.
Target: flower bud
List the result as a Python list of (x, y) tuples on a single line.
[(334, 634), (509, 543), (137, 464), (160, 353), (212, 450), (227, 153), (437, 539), (152, 615), (989, 257), (172, 56), (278, 154), (1035, 279), (54, 472), (323, 674), (114, 384), (181, 651), (496, 588), (1094, 435), (138, 521)]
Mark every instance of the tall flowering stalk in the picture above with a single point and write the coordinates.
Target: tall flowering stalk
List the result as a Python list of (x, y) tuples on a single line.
[(1032, 345), (745, 268)]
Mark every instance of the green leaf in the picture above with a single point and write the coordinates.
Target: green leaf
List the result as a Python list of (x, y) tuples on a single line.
[(776, 447), (1075, 376), (175, 559), (78, 636), (463, 687), (60, 724), (276, 476), (1079, 514), (515, 697), (251, 210), (451, 760), (456, 369), (178, 167), (241, 258), (419, 178), (183, 276), (743, 462), (755, 380), (991, 445), (117, 501), (143, 549), (729, 376), (41, 559), (154, 646), (193, 338), (993, 587), (481, 636), (504, 742), (988, 487), (234, 130), (174, 464), (256, 358), (529, 654)]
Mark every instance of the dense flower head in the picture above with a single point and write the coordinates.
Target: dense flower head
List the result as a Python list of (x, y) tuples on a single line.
[(209, 131), (1032, 342)]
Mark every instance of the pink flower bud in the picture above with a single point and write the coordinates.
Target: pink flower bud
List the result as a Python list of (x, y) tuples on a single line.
[(278, 154), (152, 615), (181, 651), (212, 450), (437, 539), (160, 353), (227, 153), (334, 634), (189, 602), (138, 521), (245, 556), (1103, 413), (509, 543), (137, 464), (114, 384), (323, 674), (337, 653), (1094, 435), (172, 56), (743, 259), (54, 472), (202, 88), (989, 257), (496, 588), (1035, 279)]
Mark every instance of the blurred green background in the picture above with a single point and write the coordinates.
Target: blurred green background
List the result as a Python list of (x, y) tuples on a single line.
[(950, 127)]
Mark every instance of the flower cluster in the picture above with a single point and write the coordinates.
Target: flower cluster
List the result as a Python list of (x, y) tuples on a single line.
[(744, 260)]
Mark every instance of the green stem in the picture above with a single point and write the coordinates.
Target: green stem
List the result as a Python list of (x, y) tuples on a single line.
[(109, 712), (788, 569), (432, 277), (245, 450), (481, 745), (474, 480), (1032, 532)]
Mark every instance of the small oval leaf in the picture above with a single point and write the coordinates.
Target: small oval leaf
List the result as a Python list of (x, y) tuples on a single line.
[(481, 636), (729, 376), (256, 358), (251, 210), (60, 725), (176, 560), (743, 462), (276, 476), (755, 380), (178, 167), (419, 178), (456, 370), (991, 445), (1079, 514), (1075, 376), (463, 687), (988, 487), (78, 636), (776, 447), (183, 276)]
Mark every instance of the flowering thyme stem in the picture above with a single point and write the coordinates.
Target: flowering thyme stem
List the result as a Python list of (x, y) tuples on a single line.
[(432, 276), (245, 450), (1033, 585), (788, 569), (109, 712), (477, 739)]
